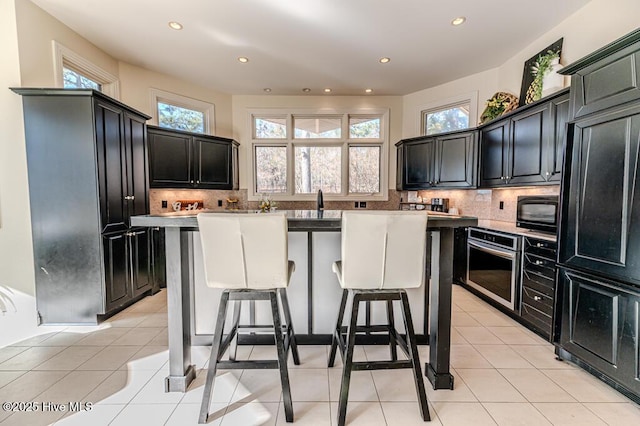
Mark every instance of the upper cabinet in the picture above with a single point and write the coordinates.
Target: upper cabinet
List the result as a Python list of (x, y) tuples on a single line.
[(443, 161), (180, 159), (526, 147)]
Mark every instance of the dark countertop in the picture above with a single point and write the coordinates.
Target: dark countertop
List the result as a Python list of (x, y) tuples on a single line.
[(510, 227), (299, 220)]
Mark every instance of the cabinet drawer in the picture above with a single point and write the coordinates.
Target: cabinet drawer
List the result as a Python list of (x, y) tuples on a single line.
[(538, 300), (540, 284), (542, 248), (539, 266), (539, 320)]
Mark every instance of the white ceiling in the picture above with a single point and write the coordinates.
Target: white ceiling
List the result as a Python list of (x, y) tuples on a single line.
[(292, 44)]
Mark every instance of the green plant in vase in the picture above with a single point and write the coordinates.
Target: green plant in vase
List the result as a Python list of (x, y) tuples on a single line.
[(542, 67)]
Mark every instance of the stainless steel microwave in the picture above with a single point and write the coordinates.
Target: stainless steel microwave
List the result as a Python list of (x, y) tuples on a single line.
[(538, 212)]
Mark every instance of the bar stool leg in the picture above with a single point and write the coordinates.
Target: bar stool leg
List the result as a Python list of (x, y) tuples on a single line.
[(282, 357), (214, 357), (336, 334), (392, 340), (291, 335), (233, 348), (415, 360), (348, 361)]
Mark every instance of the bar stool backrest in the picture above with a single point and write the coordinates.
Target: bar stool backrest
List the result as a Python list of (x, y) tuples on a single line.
[(244, 250), (383, 250)]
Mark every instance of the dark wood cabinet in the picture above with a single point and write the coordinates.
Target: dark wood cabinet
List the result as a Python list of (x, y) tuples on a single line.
[(602, 229), (538, 285), (418, 163), (442, 161), (526, 147), (87, 165), (599, 325), (455, 160), (494, 143), (599, 254), (180, 159)]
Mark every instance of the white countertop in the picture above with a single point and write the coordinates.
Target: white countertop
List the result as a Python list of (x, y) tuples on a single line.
[(510, 227)]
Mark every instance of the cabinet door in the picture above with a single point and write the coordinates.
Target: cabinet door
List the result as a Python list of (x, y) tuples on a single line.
[(112, 168), (170, 159), (455, 161), (418, 164), (599, 323), (494, 144), (600, 226), (136, 148), (116, 264), (213, 163), (529, 137), (558, 140), (140, 250)]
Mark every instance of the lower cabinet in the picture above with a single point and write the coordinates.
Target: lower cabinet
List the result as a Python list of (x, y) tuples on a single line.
[(127, 261), (598, 324), (538, 285)]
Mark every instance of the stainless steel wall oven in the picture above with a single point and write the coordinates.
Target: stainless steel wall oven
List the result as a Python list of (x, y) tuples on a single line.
[(493, 265)]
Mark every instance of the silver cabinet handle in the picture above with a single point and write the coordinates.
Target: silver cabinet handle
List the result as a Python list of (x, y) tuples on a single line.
[(129, 197), (539, 245), (539, 262), (537, 298), (198, 181), (191, 181)]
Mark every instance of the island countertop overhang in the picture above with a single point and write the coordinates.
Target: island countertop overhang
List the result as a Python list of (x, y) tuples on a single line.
[(298, 220)]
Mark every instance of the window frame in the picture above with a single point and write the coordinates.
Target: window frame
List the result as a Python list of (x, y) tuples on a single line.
[(63, 57), (206, 108), (444, 104), (290, 142)]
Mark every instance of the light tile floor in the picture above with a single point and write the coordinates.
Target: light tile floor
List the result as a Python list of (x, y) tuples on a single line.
[(504, 374)]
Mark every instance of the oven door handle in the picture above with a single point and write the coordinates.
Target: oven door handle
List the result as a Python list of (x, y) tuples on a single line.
[(504, 254)]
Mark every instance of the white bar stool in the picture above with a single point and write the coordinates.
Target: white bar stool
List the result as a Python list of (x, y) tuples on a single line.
[(383, 253), (246, 254)]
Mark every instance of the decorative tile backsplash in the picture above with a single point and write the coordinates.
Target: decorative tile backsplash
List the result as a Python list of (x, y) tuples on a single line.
[(485, 203), (481, 203)]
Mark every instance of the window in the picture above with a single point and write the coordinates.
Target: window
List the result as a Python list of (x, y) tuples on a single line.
[(182, 113), (76, 80), (180, 118), (453, 117), (73, 71), (448, 115), (294, 154)]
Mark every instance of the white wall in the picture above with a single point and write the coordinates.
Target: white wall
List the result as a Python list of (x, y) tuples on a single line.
[(17, 288), (135, 83), (598, 23), (484, 83), (241, 120)]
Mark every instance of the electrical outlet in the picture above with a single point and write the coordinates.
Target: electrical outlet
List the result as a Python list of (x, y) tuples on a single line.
[(164, 204), (363, 204), (219, 203), (356, 205), (501, 205)]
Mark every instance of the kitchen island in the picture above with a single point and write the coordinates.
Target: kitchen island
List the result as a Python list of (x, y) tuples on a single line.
[(314, 292)]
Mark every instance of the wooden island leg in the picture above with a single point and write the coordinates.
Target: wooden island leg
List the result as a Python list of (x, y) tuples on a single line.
[(437, 369)]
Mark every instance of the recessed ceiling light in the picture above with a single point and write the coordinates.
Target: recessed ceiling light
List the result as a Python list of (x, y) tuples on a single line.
[(306, 90), (458, 21), (267, 89), (175, 25), (327, 90), (384, 60), (243, 59), (368, 90)]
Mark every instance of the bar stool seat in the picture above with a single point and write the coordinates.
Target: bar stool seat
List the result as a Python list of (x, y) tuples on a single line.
[(383, 253), (246, 255)]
